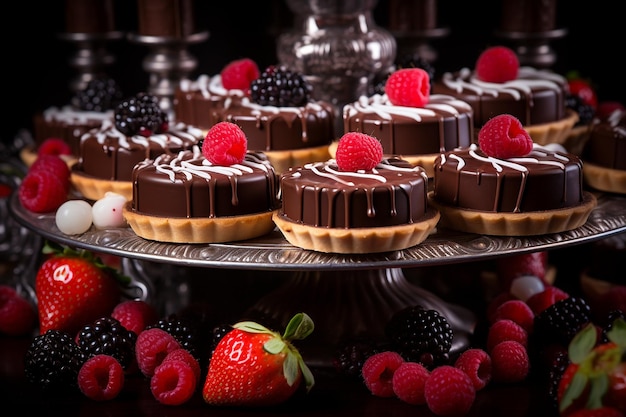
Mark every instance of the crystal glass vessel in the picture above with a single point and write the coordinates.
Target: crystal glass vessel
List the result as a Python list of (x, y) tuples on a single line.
[(337, 46)]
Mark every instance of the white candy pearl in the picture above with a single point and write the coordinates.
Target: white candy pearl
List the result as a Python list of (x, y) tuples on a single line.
[(526, 286), (74, 217), (108, 211)]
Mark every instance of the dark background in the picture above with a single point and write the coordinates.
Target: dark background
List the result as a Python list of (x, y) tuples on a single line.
[(36, 60)]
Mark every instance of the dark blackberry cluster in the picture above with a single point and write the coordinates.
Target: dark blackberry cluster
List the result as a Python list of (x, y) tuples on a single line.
[(108, 336), (184, 331), (351, 354), (406, 61), (140, 115), (560, 322), (608, 322), (555, 372), (280, 87), (585, 111), (99, 95), (420, 335), (53, 360)]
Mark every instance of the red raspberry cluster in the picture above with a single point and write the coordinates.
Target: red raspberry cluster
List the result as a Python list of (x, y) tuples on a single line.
[(46, 184)]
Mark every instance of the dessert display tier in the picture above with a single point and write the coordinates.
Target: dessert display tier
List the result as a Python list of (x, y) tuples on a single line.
[(274, 252)]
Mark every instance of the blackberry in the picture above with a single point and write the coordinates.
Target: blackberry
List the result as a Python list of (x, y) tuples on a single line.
[(420, 335), (585, 111), (555, 372), (608, 322), (280, 87), (183, 331), (140, 115), (560, 322), (108, 336), (351, 354), (53, 360), (99, 95)]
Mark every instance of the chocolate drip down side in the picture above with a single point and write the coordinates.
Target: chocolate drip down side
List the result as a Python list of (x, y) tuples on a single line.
[(187, 185), (542, 180), (320, 195)]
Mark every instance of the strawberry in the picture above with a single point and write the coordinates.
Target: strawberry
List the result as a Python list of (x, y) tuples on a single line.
[(596, 374), (74, 288), (255, 366)]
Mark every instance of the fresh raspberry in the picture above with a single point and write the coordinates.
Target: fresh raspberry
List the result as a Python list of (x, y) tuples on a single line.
[(510, 362), (605, 108), (135, 315), (152, 347), (173, 382), (41, 192), (408, 382), (17, 316), (225, 144), (503, 136), (603, 411), (495, 302), (101, 378), (238, 74), (54, 146), (378, 372), (503, 330), (497, 64), (476, 363), (517, 311), (510, 267), (358, 151), (408, 87), (546, 298), (449, 391), (53, 165), (185, 356)]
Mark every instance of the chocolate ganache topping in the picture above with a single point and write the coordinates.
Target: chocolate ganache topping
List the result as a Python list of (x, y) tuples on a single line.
[(187, 185), (321, 195), (541, 180), (537, 96), (109, 154), (205, 102), (443, 124)]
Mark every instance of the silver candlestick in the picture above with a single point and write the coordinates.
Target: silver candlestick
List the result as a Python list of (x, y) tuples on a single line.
[(91, 57), (168, 62)]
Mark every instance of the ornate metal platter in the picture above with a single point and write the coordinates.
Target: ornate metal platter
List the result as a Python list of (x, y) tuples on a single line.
[(273, 251)]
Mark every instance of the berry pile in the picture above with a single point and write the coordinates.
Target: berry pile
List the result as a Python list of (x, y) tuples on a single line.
[(46, 185)]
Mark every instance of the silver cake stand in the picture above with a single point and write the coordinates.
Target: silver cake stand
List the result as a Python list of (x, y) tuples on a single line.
[(346, 295)]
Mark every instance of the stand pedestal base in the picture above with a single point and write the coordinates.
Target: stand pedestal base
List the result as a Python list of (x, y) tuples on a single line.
[(346, 304)]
